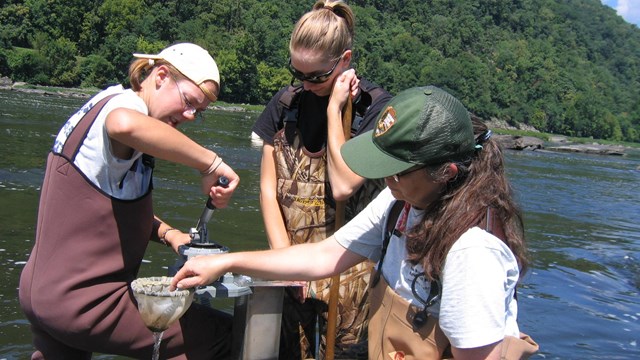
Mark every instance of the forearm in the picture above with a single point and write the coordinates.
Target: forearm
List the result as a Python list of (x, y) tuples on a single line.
[(167, 235), (308, 261), (299, 262), (271, 214), (154, 137), (344, 182), (273, 222)]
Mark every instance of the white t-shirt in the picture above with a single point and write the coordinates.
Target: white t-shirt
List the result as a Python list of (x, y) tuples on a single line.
[(122, 179), (477, 305)]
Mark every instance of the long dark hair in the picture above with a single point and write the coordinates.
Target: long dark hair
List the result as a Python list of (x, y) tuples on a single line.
[(481, 183)]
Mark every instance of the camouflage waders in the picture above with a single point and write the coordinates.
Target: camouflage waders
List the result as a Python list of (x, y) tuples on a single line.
[(308, 209)]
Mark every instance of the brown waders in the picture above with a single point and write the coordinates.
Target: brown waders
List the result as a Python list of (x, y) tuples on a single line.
[(89, 246)]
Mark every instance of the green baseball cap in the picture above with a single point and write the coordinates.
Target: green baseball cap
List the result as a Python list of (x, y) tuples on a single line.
[(420, 126)]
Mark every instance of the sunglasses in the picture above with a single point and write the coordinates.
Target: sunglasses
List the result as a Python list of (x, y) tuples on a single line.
[(316, 79)]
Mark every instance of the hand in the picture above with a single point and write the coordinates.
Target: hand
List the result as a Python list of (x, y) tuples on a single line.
[(345, 84), (178, 239), (220, 195), (198, 271)]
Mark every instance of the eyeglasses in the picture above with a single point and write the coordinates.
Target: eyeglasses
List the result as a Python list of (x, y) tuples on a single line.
[(397, 176), (188, 108), (316, 79)]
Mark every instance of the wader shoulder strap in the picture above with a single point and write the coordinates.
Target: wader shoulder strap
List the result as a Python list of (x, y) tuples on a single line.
[(389, 229), (435, 288), (289, 101), (288, 98), (79, 132)]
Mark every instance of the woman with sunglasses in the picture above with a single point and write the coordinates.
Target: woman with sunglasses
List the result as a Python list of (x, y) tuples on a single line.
[(95, 216), (446, 234), (302, 171)]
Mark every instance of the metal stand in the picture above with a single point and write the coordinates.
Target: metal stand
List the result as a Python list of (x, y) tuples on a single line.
[(256, 324), (257, 311)]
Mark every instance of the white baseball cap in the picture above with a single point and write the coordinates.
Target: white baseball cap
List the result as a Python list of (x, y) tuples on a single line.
[(191, 60)]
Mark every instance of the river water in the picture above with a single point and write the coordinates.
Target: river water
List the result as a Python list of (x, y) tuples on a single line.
[(579, 299)]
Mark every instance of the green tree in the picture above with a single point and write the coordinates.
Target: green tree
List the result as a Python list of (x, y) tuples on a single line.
[(118, 51), (270, 80), (96, 71), (568, 67), (28, 66), (239, 72), (59, 18), (61, 57), (4, 63), (121, 16), (15, 25), (91, 34)]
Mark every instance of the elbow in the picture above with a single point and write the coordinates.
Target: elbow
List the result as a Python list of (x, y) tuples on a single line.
[(345, 186), (342, 193), (266, 197)]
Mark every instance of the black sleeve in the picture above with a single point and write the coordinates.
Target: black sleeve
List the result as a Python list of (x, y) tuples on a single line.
[(268, 123)]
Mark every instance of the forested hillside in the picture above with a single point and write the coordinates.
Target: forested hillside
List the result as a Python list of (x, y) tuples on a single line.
[(563, 66)]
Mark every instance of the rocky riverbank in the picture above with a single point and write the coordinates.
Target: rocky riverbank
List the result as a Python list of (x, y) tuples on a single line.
[(554, 143), (7, 84), (557, 143)]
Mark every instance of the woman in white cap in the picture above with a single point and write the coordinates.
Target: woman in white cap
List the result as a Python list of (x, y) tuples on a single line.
[(446, 234), (95, 216)]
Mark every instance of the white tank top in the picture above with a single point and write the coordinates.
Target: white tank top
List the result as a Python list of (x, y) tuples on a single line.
[(116, 177)]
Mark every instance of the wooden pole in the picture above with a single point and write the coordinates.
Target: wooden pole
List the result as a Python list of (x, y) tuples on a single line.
[(334, 290)]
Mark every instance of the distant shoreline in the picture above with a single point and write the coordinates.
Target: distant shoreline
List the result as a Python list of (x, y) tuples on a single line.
[(86, 93), (554, 143)]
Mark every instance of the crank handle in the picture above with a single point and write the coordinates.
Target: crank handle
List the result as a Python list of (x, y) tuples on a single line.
[(209, 207)]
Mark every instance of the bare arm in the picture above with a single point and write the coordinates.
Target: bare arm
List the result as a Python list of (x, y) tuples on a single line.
[(344, 182), (292, 263), (273, 221), (173, 237), (129, 129)]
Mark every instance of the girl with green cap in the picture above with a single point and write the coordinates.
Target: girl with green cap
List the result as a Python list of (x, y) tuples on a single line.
[(446, 234)]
